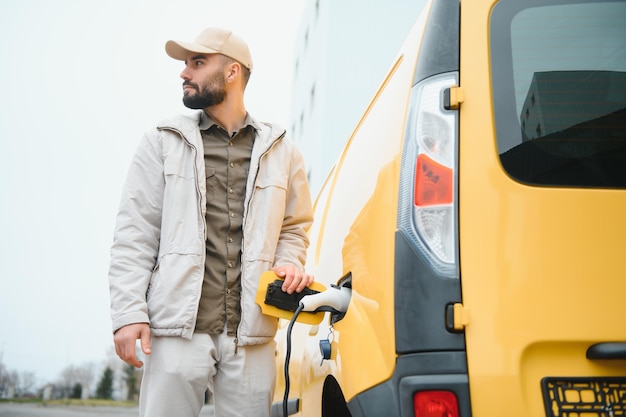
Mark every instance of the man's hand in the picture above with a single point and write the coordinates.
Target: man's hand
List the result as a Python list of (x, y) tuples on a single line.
[(295, 280), (125, 339)]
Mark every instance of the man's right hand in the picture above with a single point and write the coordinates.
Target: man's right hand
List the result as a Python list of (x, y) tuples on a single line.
[(125, 339)]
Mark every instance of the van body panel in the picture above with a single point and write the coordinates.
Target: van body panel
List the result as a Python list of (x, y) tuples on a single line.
[(541, 283)]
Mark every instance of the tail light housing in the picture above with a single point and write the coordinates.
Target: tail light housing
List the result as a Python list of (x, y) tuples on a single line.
[(428, 181)]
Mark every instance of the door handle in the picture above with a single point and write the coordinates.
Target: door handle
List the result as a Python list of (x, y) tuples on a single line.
[(607, 350)]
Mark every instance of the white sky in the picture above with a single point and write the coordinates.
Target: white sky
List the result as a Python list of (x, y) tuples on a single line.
[(80, 81)]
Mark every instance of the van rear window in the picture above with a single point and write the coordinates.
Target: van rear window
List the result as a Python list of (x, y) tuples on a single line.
[(559, 91)]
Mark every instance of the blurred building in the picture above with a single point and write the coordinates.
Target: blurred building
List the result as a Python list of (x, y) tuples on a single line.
[(344, 49)]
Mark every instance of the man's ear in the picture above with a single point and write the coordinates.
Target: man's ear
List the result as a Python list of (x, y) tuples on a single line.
[(234, 69)]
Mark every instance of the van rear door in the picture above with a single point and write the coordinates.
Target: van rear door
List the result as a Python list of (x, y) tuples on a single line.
[(542, 206)]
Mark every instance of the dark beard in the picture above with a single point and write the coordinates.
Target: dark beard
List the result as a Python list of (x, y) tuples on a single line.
[(210, 95)]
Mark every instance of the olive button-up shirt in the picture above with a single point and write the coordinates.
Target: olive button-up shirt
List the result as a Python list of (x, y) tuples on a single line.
[(227, 162)]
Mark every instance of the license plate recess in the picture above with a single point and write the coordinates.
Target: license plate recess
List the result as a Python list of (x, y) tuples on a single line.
[(584, 396)]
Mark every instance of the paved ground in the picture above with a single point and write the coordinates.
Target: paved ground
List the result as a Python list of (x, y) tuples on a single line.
[(38, 410)]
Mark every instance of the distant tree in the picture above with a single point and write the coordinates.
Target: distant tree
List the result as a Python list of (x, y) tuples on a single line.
[(84, 376), (26, 384), (4, 381), (105, 386), (130, 379), (77, 391), (71, 376), (66, 382), (14, 384)]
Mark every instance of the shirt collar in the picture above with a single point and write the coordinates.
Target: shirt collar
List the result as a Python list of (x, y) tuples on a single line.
[(206, 122)]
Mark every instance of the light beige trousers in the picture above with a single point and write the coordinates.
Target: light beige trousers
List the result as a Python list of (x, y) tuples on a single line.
[(179, 371)]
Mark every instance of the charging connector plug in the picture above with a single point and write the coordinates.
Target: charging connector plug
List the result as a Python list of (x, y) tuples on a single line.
[(335, 299)]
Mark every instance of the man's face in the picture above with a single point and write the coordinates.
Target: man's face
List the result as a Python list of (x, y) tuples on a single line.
[(204, 81)]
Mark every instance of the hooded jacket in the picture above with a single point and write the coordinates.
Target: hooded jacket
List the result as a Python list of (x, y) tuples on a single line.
[(158, 252)]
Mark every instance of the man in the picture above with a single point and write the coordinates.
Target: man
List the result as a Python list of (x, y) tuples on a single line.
[(211, 202)]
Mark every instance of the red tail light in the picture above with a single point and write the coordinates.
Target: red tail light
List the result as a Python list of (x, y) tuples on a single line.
[(433, 182), (435, 404)]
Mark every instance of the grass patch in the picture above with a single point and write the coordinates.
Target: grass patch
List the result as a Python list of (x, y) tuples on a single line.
[(21, 400), (72, 402), (91, 403)]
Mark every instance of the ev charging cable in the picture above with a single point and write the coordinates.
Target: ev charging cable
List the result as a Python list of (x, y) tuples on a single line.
[(335, 300)]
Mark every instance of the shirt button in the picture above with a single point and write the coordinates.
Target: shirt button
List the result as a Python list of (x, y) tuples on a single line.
[(232, 165), (230, 190), (230, 264), (227, 290), (230, 144), (230, 240), (232, 215)]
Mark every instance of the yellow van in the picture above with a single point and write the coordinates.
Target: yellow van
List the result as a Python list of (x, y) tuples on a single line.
[(478, 213)]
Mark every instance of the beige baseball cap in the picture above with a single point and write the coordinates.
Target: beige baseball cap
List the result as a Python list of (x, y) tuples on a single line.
[(212, 41)]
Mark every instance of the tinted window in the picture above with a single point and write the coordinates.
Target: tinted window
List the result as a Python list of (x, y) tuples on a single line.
[(559, 91)]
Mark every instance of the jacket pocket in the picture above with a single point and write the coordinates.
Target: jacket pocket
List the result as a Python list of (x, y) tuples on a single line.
[(178, 165), (272, 181), (265, 218), (173, 301), (180, 223)]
